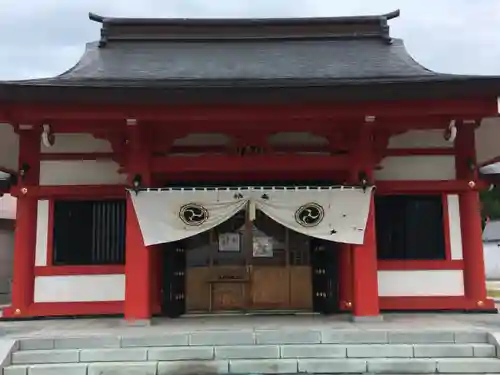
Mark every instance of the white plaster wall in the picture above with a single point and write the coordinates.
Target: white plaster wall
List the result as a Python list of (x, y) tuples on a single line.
[(80, 172), (42, 228), (488, 140), (492, 260), (77, 143), (417, 168), (420, 139), (9, 147), (6, 262), (8, 206), (454, 227), (420, 283), (80, 288)]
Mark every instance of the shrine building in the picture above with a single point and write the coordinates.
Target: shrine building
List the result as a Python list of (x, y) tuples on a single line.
[(244, 165)]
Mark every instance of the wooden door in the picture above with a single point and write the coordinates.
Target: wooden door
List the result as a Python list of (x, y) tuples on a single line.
[(268, 259)]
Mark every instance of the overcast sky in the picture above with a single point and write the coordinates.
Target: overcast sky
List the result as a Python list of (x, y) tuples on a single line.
[(40, 38)]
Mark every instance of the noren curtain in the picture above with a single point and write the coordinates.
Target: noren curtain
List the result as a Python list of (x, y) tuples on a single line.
[(331, 213)]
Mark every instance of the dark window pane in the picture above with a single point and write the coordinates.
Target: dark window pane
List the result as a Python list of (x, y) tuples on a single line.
[(410, 227), (89, 232)]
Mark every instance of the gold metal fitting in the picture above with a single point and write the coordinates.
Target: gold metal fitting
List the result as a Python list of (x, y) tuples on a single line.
[(472, 184), (17, 311), (348, 303), (480, 303), (24, 190)]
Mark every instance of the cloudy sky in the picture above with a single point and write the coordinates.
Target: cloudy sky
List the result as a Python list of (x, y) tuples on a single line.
[(40, 38)]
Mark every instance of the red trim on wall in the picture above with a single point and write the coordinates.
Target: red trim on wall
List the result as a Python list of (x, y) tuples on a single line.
[(68, 309), (413, 265), (428, 151), (74, 191), (446, 226), (426, 187), (70, 156), (433, 303), (79, 270), (470, 107)]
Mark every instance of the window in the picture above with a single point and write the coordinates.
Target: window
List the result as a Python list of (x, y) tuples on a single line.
[(89, 232), (410, 227)]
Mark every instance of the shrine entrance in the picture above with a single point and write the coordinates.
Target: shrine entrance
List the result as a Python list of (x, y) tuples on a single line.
[(248, 265)]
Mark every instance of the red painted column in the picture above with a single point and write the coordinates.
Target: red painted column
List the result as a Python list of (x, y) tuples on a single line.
[(26, 222), (365, 298), (470, 215), (345, 280), (138, 258), (138, 267)]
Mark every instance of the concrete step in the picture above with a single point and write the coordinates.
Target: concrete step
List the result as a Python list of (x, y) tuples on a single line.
[(260, 337), (268, 366), (260, 352), (179, 353)]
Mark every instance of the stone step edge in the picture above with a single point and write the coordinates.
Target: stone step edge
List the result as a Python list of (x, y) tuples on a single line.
[(262, 337), (255, 352), (283, 366)]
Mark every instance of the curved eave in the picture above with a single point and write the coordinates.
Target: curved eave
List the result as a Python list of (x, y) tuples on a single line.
[(268, 91)]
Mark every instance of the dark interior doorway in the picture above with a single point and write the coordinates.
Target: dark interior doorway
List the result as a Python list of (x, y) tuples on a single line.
[(173, 292), (325, 276)]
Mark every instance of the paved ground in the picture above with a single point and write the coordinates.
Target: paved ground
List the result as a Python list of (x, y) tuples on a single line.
[(117, 327)]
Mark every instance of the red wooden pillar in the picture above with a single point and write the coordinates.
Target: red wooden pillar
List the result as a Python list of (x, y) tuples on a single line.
[(26, 220), (345, 280), (470, 214), (365, 299), (138, 258)]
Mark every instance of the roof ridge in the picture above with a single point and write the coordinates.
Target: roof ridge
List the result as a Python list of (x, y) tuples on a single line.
[(119, 29)]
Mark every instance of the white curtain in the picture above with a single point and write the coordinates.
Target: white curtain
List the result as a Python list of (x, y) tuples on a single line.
[(333, 214), (172, 215), (330, 213)]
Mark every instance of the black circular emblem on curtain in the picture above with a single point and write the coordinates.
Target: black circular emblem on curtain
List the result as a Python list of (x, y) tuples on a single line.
[(310, 214), (193, 214)]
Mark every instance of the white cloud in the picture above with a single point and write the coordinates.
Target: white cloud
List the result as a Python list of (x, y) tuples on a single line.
[(46, 37)]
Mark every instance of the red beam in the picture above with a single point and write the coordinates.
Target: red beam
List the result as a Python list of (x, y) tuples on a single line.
[(313, 148), (77, 156), (73, 191), (460, 107), (419, 151), (426, 187), (251, 163)]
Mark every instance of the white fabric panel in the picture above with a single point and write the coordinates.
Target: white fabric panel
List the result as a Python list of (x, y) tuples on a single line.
[(344, 210), (42, 228), (334, 214), (159, 212)]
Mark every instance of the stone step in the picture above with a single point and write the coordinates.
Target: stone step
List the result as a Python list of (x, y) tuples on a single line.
[(269, 366), (174, 353), (261, 337)]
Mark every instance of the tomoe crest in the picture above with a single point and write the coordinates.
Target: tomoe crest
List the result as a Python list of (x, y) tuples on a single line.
[(309, 215), (193, 214)]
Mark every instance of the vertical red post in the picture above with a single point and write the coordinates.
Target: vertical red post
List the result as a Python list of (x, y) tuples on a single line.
[(365, 299), (470, 214), (345, 280), (138, 258), (23, 282), (364, 273)]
